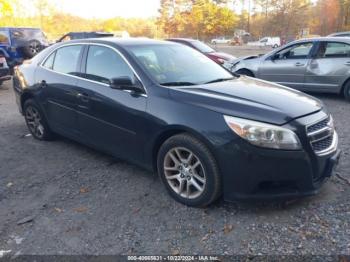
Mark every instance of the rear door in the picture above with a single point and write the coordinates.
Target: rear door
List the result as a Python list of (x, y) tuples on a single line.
[(329, 68), (110, 118), (57, 77), (287, 66)]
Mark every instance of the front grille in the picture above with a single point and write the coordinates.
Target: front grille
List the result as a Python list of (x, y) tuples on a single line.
[(318, 126), (322, 136), (322, 144)]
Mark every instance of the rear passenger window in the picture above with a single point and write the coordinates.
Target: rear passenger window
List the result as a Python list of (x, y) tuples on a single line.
[(49, 61), (67, 59), (104, 64), (333, 50)]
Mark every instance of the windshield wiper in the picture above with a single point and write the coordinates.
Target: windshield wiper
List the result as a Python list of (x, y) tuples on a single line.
[(219, 80), (178, 84)]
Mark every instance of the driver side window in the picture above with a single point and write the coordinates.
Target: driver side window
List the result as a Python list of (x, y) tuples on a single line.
[(298, 51), (104, 64)]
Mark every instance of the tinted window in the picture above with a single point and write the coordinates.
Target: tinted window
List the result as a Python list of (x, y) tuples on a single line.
[(299, 51), (4, 38), (49, 61), (333, 50), (104, 64), (67, 59)]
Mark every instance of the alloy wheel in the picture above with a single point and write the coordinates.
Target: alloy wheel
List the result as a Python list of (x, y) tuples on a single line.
[(184, 172), (34, 122)]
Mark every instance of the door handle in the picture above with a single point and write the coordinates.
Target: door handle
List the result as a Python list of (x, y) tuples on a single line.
[(83, 97), (347, 63), (299, 64)]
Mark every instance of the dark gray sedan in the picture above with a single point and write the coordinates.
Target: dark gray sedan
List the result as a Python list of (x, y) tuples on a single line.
[(317, 64)]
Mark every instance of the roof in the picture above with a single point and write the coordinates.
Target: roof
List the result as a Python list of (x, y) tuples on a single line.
[(325, 38), (120, 41), (340, 33), (182, 39)]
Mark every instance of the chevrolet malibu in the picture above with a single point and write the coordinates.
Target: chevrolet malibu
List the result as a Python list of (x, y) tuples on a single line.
[(171, 109)]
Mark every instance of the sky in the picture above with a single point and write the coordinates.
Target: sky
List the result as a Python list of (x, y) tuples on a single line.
[(109, 8)]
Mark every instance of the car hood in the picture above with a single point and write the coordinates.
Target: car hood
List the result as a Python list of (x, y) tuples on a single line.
[(251, 99), (254, 58), (224, 56)]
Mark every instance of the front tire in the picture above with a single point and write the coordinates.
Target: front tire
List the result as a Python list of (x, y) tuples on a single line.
[(189, 171), (36, 121)]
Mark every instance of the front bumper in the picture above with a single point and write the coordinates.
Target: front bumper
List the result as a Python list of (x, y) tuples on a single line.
[(251, 172)]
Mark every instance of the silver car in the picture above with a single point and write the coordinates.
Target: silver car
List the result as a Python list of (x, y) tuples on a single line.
[(317, 64)]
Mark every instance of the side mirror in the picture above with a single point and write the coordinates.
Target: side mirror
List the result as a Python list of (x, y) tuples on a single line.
[(125, 83)]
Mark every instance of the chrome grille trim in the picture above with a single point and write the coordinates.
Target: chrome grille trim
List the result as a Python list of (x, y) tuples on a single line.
[(319, 135)]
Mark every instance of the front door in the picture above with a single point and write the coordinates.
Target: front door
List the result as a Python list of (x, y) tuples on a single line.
[(110, 118), (287, 66)]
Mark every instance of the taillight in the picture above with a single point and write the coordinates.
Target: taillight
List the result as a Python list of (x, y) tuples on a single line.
[(221, 61)]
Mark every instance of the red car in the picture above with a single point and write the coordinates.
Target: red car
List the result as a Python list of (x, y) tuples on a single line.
[(218, 57)]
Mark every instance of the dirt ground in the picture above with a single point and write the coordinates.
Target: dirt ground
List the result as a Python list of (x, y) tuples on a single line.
[(61, 197)]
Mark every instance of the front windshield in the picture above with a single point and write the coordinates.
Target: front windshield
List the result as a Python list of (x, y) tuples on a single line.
[(202, 47), (172, 64)]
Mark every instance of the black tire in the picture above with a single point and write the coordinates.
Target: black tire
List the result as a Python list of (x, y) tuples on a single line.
[(211, 175), (32, 48), (346, 91), (37, 126), (1, 83), (245, 72)]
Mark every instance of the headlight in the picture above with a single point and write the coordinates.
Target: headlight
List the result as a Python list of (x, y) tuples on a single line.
[(264, 135)]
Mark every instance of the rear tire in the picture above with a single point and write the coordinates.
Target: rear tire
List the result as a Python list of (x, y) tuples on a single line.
[(245, 72), (347, 91), (189, 171), (36, 121)]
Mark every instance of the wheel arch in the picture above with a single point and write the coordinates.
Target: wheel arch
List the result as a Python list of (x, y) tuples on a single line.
[(24, 97), (246, 69), (172, 131)]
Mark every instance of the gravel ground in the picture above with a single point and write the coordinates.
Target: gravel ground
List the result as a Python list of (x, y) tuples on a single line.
[(63, 198)]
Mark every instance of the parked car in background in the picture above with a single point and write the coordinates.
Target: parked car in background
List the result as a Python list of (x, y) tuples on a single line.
[(317, 65), (340, 34), (173, 110), (219, 57), (18, 44), (273, 42), (221, 40), (4, 69), (83, 35)]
